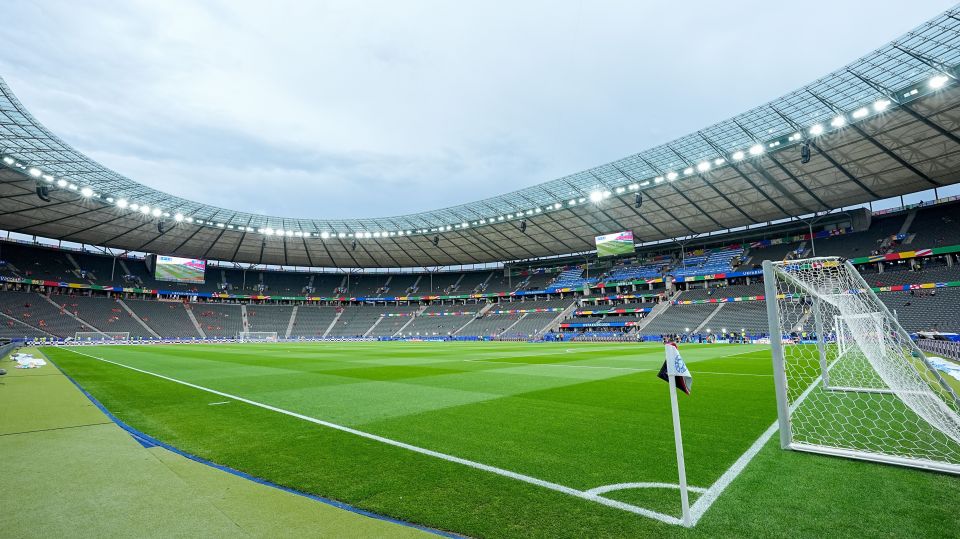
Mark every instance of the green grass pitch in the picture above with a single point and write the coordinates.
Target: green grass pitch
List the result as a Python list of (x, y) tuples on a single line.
[(577, 416)]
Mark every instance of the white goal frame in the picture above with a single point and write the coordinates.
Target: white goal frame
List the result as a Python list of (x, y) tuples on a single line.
[(102, 335), (866, 391), (257, 336)]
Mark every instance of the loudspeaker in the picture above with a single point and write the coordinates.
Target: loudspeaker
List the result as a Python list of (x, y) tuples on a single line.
[(436, 241), (523, 226), (638, 200), (43, 193), (805, 152)]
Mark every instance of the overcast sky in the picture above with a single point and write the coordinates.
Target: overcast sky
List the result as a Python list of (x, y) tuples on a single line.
[(365, 109)]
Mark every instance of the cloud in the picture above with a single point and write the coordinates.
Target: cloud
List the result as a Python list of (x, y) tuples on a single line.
[(367, 109)]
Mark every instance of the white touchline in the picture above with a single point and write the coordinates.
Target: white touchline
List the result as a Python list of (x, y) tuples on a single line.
[(472, 464), (704, 502)]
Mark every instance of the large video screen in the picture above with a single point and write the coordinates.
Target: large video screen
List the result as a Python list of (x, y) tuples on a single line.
[(619, 243), (179, 270)]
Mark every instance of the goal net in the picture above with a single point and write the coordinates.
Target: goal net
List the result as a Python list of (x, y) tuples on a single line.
[(257, 336), (850, 381), (104, 336)]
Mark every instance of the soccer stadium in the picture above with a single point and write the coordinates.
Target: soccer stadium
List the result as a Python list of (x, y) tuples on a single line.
[(752, 330)]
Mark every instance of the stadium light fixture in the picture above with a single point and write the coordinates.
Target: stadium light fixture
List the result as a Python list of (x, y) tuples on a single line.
[(572, 203), (145, 210), (688, 171), (703, 167), (646, 183), (35, 172), (938, 81), (48, 178), (839, 121), (189, 219), (672, 176), (581, 200), (719, 161), (8, 160), (756, 149), (817, 129), (738, 155), (86, 192), (881, 105), (860, 113), (122, 203), (157, 212), (178, 217), (596, 196), (620, 190), (61, 182), (72, 187)]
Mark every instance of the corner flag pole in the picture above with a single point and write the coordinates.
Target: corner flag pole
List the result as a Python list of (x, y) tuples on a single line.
[(678, 439)]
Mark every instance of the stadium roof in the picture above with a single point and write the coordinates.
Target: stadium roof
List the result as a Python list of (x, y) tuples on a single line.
[(884, 125)]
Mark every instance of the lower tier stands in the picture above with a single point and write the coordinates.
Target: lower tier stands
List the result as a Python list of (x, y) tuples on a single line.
[(34, 310), (935, 309), (312, 321), (269, 318), (677, 318), (750, 316), (219, 319), (105, 314), (168, 318)]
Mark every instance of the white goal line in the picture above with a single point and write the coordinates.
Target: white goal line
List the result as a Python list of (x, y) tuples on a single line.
[(699, 508)]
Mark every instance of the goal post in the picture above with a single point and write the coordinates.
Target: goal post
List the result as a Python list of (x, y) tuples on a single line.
[(102, 336), (257, 336), (849, 379)]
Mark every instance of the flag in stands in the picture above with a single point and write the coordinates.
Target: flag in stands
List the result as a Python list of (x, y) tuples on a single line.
[(674, 366)]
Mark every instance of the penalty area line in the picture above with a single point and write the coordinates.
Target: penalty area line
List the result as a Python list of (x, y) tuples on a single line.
[(585, 495)]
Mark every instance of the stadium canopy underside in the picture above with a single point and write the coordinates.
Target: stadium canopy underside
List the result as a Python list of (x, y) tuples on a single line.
[(899, 134)]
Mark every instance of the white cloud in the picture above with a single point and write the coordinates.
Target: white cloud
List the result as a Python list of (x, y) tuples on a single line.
[(380, 108)]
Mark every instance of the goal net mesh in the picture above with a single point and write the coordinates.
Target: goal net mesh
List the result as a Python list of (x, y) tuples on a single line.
[(106, 335), (854, 380), (259, 336)]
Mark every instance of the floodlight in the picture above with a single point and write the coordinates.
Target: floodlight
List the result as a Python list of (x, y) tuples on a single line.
[(157, 211), (756, 149), (738, 155), (61, 183), (703, 167), (860, 113), (178, 217), (938, 81), (35, 172), (8, 160), (817, 129), (672, 176), (688, 171), (86, 192), (839, 121), (596, 196), (719, 161), (122, 203), (881, 105), (145, 210)]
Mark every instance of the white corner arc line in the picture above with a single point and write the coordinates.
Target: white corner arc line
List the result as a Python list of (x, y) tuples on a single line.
[(624, 486), (450, 458)]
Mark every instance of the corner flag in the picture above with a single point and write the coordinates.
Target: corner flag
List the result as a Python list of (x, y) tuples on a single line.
[(674, 366), (675, 372)]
